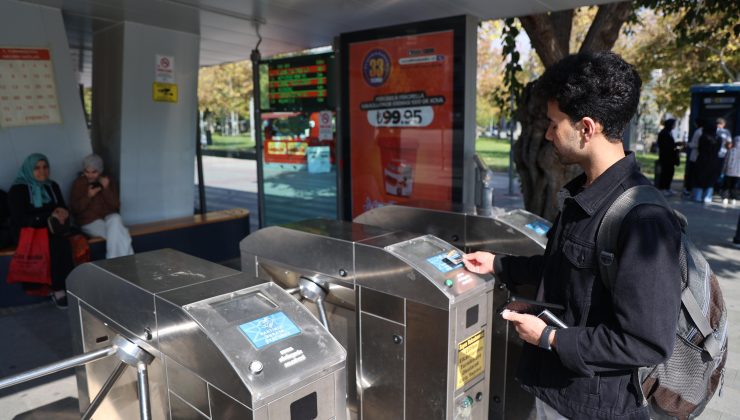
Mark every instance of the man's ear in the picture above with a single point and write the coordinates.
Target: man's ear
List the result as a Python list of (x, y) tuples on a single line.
[(589, 127)]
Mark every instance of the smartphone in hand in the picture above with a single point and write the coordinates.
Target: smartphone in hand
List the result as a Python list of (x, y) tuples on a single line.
[(551, 319), (528, 306)]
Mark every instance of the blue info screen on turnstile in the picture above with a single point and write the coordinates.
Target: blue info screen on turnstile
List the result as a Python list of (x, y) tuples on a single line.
[(269, 329), (442, 263), (538, 227)]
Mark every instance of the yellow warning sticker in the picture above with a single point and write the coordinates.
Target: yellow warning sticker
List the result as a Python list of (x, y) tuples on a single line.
[(471, 359), (164, 92)]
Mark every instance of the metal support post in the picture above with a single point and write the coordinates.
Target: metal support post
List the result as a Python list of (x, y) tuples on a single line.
[(143, 383), (104, 391), (484, 187)]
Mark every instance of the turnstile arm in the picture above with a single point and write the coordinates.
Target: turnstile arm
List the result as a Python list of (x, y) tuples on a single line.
[(71, 362), (129, 354)]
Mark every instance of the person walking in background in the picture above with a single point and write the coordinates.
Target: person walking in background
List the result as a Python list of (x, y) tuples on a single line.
[(731, 181), (692, 152), (36, 201), (708, 166), (725, 137), (668, 157), (95, 205)]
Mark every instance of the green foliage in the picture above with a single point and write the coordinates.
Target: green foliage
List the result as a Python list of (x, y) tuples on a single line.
[(700, 21), (490, 68), (226, 88), (647, 165), (669, 66), (494, 152), (689, 41), (231, 143), (508, 95)]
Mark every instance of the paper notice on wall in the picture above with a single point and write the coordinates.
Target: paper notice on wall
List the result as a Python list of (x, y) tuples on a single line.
[(164, 92), (164, 69), (326, 131), (28, 93)]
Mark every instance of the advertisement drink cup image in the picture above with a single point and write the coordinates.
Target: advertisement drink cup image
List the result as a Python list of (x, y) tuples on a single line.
[(398, 160)]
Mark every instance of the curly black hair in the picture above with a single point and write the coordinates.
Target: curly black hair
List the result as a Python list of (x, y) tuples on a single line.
[(599, 85)]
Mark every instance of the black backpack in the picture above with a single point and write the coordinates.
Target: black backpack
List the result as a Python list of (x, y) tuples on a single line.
[(681, 386)]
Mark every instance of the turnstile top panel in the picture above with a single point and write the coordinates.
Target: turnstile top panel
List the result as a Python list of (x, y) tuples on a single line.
[(435, 259), (165, 269), (351, 232), (528, 223), (270, 339)]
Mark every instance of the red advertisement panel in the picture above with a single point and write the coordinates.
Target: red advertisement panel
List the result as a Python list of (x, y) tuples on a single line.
[(400, 118)]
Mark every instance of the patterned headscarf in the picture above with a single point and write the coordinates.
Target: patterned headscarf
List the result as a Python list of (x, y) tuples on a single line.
[(39, 195)]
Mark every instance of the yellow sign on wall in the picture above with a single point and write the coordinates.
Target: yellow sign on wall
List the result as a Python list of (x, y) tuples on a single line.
[(471, 358), (164, 92)]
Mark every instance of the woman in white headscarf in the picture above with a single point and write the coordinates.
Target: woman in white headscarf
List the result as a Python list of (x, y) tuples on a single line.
[(95, 206)]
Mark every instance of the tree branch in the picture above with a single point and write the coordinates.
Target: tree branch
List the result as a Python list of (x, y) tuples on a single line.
[(563, 22), (549, 40), (604, 30)]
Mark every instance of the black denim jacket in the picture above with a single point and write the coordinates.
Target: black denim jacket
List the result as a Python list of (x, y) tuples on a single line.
[(612, 332)]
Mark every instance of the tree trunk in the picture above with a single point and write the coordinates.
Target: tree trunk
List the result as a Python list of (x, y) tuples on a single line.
[(540, 172)]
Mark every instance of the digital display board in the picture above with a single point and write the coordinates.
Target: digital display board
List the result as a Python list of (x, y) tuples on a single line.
[(299, 83), (269, 329)]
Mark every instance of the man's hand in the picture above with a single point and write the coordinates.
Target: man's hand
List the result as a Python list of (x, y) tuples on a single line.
[(529, 327), (104, 181), (479, 262)]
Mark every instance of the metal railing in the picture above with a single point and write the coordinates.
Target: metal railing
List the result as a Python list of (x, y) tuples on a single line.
[(483, 187)]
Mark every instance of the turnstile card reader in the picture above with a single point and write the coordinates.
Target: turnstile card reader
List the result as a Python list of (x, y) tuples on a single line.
[(225, 345), (416, 324)]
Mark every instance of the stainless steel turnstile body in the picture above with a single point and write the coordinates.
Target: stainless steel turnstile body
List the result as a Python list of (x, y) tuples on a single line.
[(224, 346), (415, 325), (516, 232)]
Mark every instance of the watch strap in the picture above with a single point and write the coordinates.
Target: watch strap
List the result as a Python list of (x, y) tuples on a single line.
[(545, 337)]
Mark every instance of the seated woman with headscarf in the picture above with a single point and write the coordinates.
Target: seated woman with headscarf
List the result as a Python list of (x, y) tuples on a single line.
[(95, 206), (36, 201)]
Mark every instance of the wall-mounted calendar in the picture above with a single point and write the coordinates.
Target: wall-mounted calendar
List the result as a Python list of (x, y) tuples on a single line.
[(28, 93)]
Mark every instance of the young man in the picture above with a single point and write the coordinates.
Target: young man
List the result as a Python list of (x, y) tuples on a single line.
[(586, 371)]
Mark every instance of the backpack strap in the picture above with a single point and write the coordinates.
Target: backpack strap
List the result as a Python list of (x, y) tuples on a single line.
[(608, 232), (606, 248)]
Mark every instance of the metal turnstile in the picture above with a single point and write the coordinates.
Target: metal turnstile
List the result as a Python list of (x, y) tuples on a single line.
[(414, 321), (221, 345), (515, 232)]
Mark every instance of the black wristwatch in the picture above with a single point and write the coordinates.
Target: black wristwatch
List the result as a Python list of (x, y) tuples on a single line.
[(545, 337)]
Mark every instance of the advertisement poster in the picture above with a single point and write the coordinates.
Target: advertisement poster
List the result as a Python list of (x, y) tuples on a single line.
[(28, 93), (401, 120)]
